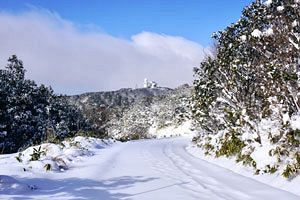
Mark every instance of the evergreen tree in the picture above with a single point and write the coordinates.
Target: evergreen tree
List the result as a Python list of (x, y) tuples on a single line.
[(30, 112)]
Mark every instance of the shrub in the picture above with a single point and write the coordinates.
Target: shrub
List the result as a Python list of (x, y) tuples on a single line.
[(37, 153)]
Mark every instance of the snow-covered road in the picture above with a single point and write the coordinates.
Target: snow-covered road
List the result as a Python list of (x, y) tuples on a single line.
[(149, 169)]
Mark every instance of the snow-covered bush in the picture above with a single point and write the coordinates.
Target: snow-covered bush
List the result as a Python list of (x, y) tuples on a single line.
[(246, 97), (59, 157)]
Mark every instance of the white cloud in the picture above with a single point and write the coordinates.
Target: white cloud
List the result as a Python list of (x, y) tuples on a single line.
[(56, 52)]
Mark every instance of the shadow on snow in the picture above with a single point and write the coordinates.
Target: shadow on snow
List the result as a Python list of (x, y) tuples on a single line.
[(76, 188)]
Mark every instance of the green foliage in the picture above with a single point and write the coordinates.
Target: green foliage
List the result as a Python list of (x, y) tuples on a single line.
[(230, 146), (287, 173), (37, 153), (279, 151), (135, 137), (292, 169), (292, 138), (247, 160), (208, 148), (271, 169), (275, 139)]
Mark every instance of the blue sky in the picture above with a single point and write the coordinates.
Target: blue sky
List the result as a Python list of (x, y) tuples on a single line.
[(83, 46), (192, 19)]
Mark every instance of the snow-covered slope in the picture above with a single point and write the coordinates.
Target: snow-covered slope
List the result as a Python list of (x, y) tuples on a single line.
[(129, 113), (144, 169)]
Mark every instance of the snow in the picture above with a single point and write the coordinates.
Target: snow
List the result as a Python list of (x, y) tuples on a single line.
[(144, 169), (243, 38), (268, 2), (295, 23), (268, 32), (280, 8), (261, 154), (273, 180), (85, 99), (173, 131), (294, 43), (61, 157), (295, 122), (10, 185), (256, 33)]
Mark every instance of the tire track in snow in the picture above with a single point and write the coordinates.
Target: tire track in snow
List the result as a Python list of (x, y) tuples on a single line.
[(181, 175), (160, 168), (201, 178), (174, 172)]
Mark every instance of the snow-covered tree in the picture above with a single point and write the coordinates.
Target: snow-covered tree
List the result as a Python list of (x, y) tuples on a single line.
[(28, 111), (252, 82)]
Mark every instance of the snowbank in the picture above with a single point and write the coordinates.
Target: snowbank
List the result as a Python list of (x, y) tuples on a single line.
[(275, 180), (173, 131), (59, 157), (43, 159)]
